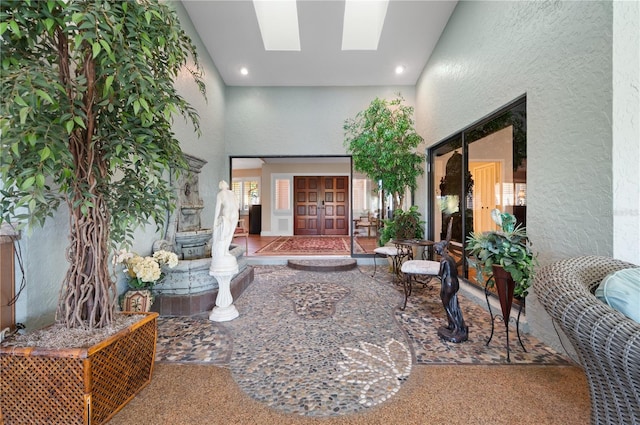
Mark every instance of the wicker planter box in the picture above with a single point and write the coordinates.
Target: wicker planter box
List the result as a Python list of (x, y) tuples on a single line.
[(78, 385)]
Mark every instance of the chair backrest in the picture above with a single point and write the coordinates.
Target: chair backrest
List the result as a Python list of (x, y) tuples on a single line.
[(607, 343)]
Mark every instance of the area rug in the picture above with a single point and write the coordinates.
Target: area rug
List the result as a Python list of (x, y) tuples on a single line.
[(310, 245)]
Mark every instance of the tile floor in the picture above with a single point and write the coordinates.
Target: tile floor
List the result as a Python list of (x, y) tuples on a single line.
[(322, 344)]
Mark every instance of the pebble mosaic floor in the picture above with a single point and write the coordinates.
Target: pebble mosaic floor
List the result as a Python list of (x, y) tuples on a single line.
[(333, 343)]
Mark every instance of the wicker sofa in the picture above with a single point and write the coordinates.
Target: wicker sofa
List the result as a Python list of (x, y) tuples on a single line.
[(607, 342)]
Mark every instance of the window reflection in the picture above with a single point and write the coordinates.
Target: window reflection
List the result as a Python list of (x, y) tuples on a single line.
[(481, 168), (366, 205)]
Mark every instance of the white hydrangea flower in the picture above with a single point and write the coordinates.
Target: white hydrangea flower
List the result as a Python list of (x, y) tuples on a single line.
[(147, 269), (144, 272), (166, 257), (122, 256)]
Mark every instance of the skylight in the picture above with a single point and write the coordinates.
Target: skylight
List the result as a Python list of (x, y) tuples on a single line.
[(363, 22), (278, 22)]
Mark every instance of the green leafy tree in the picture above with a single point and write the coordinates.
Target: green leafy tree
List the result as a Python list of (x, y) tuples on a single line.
[(87, 105), (382, 141)]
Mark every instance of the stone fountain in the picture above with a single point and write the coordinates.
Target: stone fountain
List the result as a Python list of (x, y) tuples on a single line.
[(188, 288), (190, 239)]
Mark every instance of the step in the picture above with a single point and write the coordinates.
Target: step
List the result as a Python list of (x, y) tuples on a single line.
[(338, 265)]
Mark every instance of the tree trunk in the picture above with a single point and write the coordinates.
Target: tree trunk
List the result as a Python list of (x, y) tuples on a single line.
[(88, 296)]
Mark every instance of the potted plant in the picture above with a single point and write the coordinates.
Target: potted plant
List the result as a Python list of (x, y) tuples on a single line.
[(382, 141), (504, 258), (403, 226), (86, 121), (143, 273)]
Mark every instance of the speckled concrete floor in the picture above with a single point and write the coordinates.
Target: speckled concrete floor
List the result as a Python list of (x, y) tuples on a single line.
[(323, 344)]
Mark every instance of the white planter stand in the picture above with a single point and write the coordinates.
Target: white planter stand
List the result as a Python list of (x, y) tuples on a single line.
[(223, 269)]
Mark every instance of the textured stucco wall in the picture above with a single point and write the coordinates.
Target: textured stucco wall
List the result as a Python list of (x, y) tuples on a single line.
[(559, 54), (44, 251), (626, 131), (210, 146), (296, 120)]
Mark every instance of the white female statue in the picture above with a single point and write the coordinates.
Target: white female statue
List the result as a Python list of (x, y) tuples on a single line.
[(223, 264), (226, 220)]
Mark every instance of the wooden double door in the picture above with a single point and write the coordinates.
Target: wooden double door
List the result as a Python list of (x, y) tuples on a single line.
[(321, 205)]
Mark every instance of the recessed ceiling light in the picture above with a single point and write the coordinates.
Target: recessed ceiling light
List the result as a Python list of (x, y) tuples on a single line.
[(278, 22), (399, 69), (362, 25), (244, 71)]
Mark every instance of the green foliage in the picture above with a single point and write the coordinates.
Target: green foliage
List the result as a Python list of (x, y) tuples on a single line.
[(511, 250), (87, 107), (383, 142), (404, 225), (100, 72)]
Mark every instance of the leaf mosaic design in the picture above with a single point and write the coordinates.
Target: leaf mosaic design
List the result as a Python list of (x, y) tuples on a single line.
[(373, 367)]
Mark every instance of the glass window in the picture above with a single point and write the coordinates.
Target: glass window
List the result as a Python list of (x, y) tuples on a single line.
[(497, 164), (282, 194), (447, 168), (476, 170), (247, 191), (359, 187)]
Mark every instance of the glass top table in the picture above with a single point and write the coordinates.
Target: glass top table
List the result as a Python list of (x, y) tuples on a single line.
[(408, 244)]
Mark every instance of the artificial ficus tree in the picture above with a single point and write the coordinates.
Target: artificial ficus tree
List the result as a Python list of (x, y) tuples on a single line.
[(86, 118), (382, 141)]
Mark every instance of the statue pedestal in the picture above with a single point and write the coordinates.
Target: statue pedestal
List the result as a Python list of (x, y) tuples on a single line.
[(223, 268), (454, 335)]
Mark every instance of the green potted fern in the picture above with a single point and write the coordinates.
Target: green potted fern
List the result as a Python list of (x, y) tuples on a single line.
[(404, 225), (503, 258)]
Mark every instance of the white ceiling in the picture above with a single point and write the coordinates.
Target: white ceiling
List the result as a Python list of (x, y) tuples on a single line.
[(229, 30)]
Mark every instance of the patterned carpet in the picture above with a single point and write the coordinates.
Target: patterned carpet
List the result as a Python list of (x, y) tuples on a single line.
[(310, 245)]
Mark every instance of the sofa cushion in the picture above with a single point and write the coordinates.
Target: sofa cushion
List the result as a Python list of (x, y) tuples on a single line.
[(621, 290)]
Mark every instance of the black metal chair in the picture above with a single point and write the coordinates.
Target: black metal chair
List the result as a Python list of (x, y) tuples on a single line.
[(429, 268)]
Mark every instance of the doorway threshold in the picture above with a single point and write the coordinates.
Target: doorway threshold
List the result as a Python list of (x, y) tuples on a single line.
[(283, 260)]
